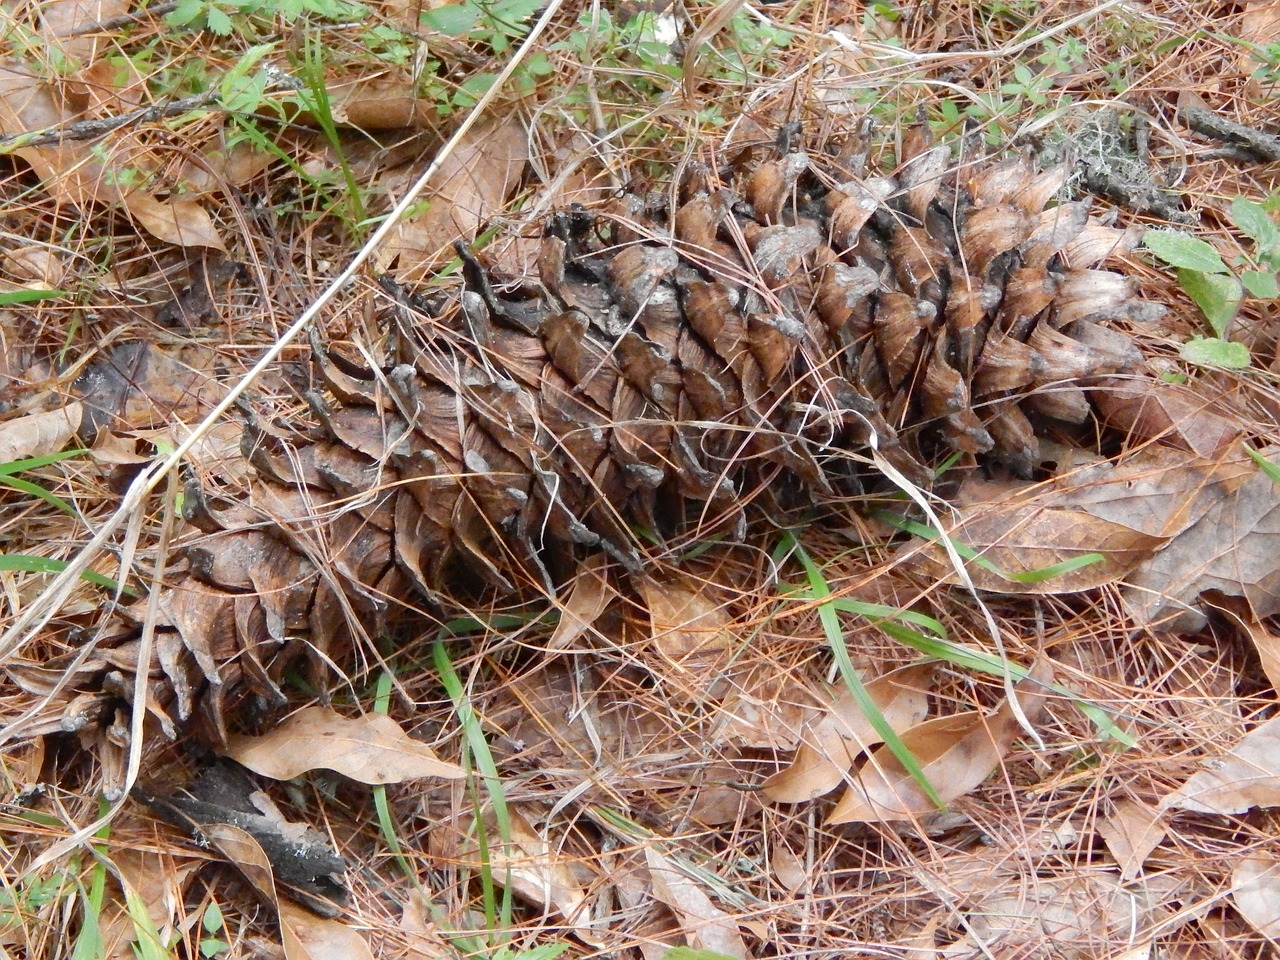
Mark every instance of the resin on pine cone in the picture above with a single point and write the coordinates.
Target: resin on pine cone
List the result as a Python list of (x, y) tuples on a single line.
[(670, 361)]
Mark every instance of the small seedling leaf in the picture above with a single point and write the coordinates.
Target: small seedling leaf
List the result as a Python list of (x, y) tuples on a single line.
[(1180, 249), (1261, 283), (1212, 352), (1217, 297), (1270, 469), (1257, 225), (455, 20)]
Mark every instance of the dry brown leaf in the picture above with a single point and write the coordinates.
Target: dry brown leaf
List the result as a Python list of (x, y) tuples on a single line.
[(72, 171), (1158, 491), (835, 739), (1171, 524), (1260, 24), (1074, 917), (1231, 545), (308, 937), (1170, 412), (1131, 832), (1030, 533), (378, 105), (688, 627), (304, 935), (787, 868), (38, 434), (473, 185), (531, 867), (370, 749), (59, 19), (763, 709), (1247, 776), (1255, 889), (183, 223), (588, 599), (705, 926), (956, 754)]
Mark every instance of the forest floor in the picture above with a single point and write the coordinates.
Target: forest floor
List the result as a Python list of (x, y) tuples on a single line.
[(695, 767)]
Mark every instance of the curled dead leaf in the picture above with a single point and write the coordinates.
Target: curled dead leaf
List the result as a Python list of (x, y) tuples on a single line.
[(956, 754), (473, 185), (371, 749), (38, 434), (705, 926), (832, 741), (588, 599), (1247, 776)]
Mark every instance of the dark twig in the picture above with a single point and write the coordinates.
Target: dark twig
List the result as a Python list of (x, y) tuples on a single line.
[(124, 20), (97, 127), (1141, 197), (1256, 144)]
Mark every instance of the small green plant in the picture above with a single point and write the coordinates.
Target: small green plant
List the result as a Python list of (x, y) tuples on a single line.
[(1218, 288), (225, 17), (640, 56), (212, 923), (25, 898)]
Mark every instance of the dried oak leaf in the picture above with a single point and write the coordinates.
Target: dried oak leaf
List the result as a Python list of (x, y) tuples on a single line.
[(1170, 412), (956, 754), (1230, 544), (1247, 776), (371, 749), (831, 742), (472, 185), (705, 926), (1024, 530)]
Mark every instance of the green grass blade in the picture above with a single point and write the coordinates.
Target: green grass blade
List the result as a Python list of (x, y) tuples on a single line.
[(33, 463), (478, 750), (829, 617), (1270, 469), (24, 563), (926, 532), (386, 822), (39, 492), (13, 297)]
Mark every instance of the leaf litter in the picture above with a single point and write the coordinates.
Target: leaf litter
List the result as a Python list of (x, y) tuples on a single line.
[(673, 707)]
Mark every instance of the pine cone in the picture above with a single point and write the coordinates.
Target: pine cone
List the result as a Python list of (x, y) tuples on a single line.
[(670, 362)]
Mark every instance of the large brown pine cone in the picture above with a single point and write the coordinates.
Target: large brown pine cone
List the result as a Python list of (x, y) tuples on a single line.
[(672, 360)]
